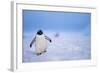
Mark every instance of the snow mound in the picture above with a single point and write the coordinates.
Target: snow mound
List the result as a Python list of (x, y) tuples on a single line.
[(65, 46)]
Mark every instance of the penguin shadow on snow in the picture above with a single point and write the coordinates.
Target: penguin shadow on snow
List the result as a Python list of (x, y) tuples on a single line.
[(40, 41)]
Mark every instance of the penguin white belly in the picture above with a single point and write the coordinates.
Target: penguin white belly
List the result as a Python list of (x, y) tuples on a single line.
[(41, 43)]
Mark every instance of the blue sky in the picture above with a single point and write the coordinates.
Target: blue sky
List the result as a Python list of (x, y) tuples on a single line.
[(56, 21)]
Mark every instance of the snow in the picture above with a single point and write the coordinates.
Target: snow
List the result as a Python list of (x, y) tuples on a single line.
[(66, 46)]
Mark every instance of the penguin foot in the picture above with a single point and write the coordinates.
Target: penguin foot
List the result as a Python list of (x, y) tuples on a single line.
[(38, 54), (44, 51)]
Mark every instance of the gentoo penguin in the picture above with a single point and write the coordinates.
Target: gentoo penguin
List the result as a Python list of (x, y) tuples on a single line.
[(40, 42)]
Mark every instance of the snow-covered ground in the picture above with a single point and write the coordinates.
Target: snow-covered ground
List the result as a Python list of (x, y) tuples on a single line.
[(64, 46)]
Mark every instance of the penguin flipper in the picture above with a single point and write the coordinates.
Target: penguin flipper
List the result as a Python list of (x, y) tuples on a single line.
[(32, 42), (30, 45), (48, 38)]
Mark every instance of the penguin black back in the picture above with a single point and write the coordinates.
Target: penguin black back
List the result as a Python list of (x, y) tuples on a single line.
[(40, 32)]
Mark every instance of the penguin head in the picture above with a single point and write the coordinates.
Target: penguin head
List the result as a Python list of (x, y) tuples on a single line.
[(40, 32)]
